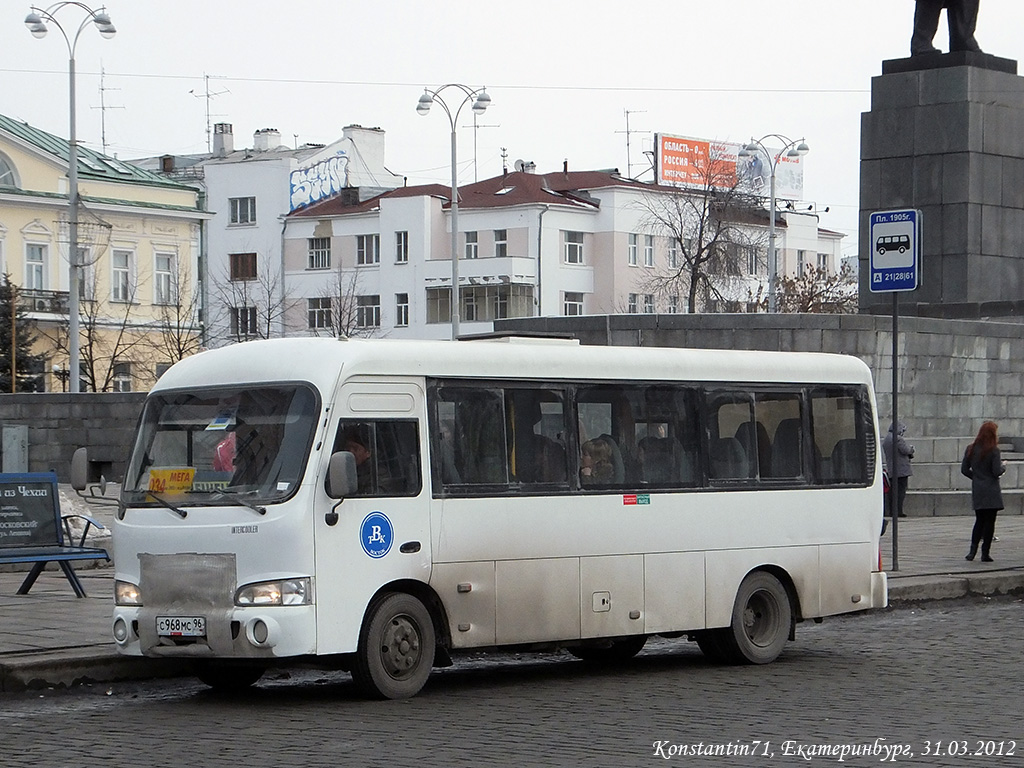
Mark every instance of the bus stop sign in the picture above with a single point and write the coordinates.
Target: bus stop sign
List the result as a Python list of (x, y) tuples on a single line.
[(895, 242)]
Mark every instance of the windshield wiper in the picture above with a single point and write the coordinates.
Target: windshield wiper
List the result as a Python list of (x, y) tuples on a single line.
[(165, 503), (236, 495)]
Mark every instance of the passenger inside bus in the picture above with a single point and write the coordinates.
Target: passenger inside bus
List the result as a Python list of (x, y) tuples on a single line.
[(597, 465)]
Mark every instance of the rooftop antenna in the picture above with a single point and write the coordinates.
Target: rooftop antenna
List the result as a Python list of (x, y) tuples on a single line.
[(504, 161), (208, 95), (629, 157), (103, 107), (476, 127)]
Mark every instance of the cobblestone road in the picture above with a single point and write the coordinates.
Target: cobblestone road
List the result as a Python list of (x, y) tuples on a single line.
[(943, 677)]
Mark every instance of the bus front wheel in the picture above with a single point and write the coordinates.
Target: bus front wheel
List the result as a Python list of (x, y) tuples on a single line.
[(761, 620), (396, 648)]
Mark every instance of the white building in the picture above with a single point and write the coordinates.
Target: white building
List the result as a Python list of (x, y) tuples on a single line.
[(250, 191), (564, 243)]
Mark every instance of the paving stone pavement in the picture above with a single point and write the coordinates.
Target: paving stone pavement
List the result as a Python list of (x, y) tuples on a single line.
[(50, 637)]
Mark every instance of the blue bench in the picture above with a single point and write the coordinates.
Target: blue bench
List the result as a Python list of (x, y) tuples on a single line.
[(32, 529)]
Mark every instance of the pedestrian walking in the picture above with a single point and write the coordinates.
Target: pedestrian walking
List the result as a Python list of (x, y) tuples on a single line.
[(900, 469), (983, 464)]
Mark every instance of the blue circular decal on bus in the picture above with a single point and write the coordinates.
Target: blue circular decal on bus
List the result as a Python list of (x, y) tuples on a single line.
[(376, 534)]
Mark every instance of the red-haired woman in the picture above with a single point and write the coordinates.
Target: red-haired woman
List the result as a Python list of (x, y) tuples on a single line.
[(983, 465)]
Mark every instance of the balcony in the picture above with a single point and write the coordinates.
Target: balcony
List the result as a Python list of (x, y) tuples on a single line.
[(36, 301)]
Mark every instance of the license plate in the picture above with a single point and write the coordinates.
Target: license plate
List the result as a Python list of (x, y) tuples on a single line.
[(181, 626)]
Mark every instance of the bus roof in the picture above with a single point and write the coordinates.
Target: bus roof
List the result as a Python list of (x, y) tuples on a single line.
[(320, 361)]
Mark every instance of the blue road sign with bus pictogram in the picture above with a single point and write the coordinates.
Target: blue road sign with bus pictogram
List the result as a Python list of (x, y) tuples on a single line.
[(895, 245)]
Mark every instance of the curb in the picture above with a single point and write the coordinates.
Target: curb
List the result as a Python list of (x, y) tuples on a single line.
[(954, 586), (66, 667)]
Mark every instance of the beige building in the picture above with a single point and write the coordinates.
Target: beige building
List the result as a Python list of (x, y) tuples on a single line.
[(140, 244)]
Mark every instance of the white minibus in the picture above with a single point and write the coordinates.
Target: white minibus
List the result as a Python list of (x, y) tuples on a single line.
[(376, 505)]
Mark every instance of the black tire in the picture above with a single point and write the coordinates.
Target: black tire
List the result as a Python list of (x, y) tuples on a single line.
[(396, 648), (618, 652), (761, 621), (710, 643), (228, 677)]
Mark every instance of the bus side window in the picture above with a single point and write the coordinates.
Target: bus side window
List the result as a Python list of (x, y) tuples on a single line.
[(387, 456)]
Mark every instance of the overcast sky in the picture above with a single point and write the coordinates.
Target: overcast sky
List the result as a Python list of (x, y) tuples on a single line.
[(561, 75)]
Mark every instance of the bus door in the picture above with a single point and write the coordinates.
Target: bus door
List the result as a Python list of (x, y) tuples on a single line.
[(381, 533)]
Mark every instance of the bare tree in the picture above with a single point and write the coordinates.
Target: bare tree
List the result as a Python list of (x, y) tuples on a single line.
[(714, 229), (177, 331), (819, 291), (107, 336), (253, 309), (342, 316)]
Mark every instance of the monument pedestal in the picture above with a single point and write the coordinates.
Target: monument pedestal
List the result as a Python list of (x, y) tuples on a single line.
[(945, 135)]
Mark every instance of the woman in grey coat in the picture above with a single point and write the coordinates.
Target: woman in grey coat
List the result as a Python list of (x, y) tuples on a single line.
[(983, 464), (899, 469)]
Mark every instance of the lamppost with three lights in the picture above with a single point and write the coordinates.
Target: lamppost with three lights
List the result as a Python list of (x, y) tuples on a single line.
[(480, 101), (793, 149), (36, 22)]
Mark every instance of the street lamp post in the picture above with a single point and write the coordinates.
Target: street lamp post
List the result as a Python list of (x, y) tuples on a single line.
[(36, 22), (480, 101), (792, 149)]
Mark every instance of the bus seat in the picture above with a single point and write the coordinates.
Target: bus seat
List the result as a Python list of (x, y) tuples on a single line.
[(753, 436), (787, 456), (657, 465), (728, 459), (847, 462)]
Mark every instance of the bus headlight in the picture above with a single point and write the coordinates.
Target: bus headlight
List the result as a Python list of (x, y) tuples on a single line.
[(282, 592), (126, 593)]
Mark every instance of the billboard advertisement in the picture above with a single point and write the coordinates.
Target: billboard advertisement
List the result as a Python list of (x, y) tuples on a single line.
[(683, 161)]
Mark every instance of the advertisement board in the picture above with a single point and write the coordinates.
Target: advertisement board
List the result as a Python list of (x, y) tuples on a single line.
[(683, 161)]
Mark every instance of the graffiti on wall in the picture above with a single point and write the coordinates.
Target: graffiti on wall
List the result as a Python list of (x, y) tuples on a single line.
[(319, 181)]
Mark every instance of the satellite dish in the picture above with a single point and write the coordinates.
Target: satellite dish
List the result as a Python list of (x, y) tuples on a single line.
[(519, 165)]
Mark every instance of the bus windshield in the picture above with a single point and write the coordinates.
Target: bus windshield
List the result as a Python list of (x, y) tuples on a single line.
[(222, 446)]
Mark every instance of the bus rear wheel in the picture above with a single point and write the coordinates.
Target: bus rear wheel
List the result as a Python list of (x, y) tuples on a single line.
[(617, 652), (396, 648), (761, 620)]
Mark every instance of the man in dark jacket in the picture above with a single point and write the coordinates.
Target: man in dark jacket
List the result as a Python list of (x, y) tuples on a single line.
[(962, 17)]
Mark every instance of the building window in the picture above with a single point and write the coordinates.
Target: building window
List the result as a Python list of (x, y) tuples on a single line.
[(401, 309), (673, 304), (121, 279), (368, 311), (319, 314), (822, 262), (470, 307), (439, 305), (801, 263), (318, 250), (401, 247), (500, 243), (648, 250), (243, 321), (35, 267), (572, 304), (648, 303), (86, 275), (673, 255), (367, 249), (573, 247), (633, 303), (162, 368), (163, 278), (751, 261), (633, 249), (472, 246), (243, 266), (122, 380), (243, 210)]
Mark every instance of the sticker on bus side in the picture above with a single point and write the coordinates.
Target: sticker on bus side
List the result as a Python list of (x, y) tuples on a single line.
[(632, 499), (376, 534)]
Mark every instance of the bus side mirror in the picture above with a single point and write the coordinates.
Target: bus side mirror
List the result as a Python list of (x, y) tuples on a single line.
[(342, 480), (80, 469)]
